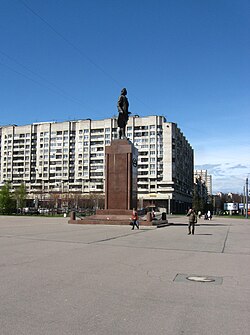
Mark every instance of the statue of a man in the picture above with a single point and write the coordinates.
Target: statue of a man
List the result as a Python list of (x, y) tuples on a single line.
[(122, 106)]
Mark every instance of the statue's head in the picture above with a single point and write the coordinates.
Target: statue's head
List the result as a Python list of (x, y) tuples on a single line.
[(124, 91)]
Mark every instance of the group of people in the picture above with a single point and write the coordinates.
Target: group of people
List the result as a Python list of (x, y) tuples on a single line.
[(208, 216), (192, 219)]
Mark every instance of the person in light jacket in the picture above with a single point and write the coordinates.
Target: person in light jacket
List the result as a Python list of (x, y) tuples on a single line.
[(192, 220)]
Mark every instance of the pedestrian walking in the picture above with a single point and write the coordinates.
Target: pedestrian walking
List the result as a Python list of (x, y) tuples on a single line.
[(135, 221), (192, 220)]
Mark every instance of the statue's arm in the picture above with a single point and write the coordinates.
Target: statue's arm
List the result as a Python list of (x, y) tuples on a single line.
[(119, 104)]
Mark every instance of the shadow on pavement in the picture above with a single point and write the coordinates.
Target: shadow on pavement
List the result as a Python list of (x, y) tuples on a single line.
[(199, 224)]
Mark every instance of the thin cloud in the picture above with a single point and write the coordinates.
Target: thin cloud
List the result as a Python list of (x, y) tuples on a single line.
[(228, 184), (206, 166), (239, 166), (226, 177)]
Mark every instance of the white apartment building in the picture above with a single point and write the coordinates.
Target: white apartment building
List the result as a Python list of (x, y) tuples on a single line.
[(206, 178), (53, 157)]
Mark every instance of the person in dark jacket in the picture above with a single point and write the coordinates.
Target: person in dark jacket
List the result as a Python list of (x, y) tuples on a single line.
[(192, 220)]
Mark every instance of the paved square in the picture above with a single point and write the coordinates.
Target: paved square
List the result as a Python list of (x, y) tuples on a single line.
[(60, 279)]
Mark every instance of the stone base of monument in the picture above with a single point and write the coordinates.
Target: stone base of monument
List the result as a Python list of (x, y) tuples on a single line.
[(120, 188), (115, 217)]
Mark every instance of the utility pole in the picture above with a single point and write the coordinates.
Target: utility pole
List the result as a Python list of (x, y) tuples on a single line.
[(246, 198)]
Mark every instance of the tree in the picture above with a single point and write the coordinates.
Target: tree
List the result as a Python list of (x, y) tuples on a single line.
[(198, 203), (6, 199), (20, 196), (200, 196)]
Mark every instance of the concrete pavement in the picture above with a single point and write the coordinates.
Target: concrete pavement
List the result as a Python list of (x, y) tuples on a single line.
[(58, 278)]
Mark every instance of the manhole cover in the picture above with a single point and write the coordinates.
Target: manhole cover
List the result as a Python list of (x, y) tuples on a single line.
[(200, 279), (181, 277)]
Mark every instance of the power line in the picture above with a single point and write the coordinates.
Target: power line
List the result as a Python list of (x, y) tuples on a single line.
[(79, 50), (70, 43), (58, 90)]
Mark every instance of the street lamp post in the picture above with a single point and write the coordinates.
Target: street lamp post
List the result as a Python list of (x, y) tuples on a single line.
[(246, 198)]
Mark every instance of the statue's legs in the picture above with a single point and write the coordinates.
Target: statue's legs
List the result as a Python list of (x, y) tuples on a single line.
[(121, 133)]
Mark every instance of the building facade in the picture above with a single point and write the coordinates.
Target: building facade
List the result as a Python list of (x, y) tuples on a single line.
[(68, 157), (206, 178)]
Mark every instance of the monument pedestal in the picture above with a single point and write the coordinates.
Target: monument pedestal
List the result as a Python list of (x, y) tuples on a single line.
[(121, 176), (120, 186)]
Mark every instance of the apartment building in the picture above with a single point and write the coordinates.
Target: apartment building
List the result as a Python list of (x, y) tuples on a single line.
[(69, 157), (206, 178)]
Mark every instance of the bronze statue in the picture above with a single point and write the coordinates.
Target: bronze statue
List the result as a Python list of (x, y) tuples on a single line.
[(122, 106)]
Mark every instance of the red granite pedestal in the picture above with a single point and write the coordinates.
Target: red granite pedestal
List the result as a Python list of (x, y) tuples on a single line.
[(120, 187), (121, 176)]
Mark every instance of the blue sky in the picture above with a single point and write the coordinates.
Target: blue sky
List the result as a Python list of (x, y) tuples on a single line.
[(185, 59)]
